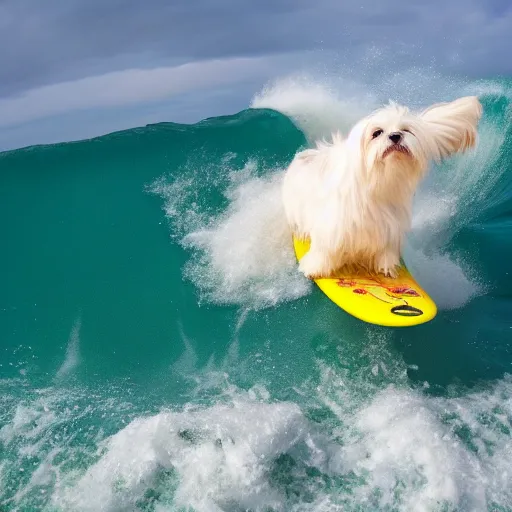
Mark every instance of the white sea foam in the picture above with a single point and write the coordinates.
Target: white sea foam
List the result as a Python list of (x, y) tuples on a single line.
[(318, 107), (413, 450), (243, 255), (220, 456)]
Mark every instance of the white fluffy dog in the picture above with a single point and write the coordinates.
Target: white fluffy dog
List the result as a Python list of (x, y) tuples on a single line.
[(353, 197)]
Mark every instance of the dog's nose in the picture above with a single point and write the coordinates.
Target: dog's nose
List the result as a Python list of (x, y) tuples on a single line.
[(395, 137)]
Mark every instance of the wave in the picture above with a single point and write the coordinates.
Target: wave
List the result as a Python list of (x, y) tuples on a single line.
[(266, 397), (244, 253)]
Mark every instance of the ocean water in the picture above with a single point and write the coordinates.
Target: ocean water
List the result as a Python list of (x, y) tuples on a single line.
[(160, 352)]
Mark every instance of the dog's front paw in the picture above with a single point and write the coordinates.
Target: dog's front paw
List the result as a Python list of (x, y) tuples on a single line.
[(388, 264), (311, 266), (389, 272)]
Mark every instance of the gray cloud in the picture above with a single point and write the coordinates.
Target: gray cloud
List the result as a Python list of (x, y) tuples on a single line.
[(54, 40), (63, 41)]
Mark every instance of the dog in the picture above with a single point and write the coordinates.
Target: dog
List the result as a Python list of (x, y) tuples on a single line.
[(352, 197)]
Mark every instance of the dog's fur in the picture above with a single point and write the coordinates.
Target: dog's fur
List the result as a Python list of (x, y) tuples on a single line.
[(353, 197)]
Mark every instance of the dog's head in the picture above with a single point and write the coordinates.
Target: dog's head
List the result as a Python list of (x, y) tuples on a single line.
[(393, 139)]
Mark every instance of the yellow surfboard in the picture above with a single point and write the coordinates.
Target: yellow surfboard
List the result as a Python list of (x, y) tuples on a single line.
[(398, 302)]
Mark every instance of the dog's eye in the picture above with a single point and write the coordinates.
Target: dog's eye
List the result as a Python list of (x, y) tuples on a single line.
[(406, 130), (376, 133)]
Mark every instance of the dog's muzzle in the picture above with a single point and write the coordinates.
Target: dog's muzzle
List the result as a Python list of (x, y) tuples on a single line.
[(399, 148)]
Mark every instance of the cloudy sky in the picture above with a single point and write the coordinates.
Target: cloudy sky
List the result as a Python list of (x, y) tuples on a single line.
[(78, 68)]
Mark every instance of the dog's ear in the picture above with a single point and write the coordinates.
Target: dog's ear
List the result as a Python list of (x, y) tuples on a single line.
[(453, 126)]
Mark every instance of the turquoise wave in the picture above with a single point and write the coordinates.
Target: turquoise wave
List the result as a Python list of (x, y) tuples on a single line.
[(160, 351)]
